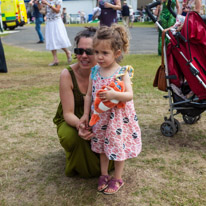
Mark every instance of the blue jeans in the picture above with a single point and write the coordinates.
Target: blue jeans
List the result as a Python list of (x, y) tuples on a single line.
[(38, 23)]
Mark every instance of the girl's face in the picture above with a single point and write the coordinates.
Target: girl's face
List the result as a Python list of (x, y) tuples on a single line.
[(104, 55), (85, 61)]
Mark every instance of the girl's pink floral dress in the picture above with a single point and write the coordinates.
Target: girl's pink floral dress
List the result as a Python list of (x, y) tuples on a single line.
[(117, 133)]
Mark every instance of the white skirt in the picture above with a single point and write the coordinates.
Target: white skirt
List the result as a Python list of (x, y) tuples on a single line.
[(56, 35)]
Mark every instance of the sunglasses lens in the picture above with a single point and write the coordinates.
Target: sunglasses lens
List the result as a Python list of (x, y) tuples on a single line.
[(89, 51), (80, 51)]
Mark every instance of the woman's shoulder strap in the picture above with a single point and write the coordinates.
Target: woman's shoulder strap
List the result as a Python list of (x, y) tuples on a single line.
[(73, 77)]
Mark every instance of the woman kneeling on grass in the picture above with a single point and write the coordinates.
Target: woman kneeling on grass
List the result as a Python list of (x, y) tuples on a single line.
[(80, 160), (117, 132)]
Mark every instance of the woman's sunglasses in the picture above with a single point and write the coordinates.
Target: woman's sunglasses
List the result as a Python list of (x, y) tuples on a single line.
[(80, 51)]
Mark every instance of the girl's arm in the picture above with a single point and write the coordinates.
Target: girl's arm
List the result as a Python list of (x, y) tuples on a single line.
[(117, 5), (56, 9), (125, 96)]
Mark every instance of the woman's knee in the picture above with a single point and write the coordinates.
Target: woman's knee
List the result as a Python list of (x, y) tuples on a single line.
[(68, 137)]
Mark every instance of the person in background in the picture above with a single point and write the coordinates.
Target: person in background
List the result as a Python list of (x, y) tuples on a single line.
[(131, 16), (38, 20), (3, 66), (191, 5), (64, 15), (109, 9), (82, 17), (55, 32), (125, 14), (29, 13), (166, 19), (80, 159)]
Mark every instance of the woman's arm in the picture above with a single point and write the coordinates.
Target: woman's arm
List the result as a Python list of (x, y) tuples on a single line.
[(198, 4), (117, 5), (55, 8), (31, 2), (157, 11), (178, 7), (67, 99)]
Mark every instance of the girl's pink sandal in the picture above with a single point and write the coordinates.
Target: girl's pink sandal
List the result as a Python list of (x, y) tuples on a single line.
[(115, 185), (103, 182)]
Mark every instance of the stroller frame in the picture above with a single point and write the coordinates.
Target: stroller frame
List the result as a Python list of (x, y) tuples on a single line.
[(171, 126)]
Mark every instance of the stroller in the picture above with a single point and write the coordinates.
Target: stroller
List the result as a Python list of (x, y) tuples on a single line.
[(185, 70)]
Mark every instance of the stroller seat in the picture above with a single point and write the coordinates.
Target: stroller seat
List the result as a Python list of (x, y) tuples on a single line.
[(194, 31)]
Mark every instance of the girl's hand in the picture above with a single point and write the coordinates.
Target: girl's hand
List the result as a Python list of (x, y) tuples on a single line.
[(108, 94)]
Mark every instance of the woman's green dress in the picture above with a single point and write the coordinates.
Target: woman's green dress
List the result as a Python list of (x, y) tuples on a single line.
[(80, 159), (166, 21)]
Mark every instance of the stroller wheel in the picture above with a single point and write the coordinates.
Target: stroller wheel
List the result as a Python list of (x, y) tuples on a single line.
[(190, 120), (168, 129), (198, 117), (177, 125)]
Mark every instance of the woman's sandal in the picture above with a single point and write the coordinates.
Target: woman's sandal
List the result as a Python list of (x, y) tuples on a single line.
[(103, 182), (114, 185)]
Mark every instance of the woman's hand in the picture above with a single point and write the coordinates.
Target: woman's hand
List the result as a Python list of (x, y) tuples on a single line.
[(84, 121), (116, 6), (55, 8), (108, 5), (85, 132), (44, 2)]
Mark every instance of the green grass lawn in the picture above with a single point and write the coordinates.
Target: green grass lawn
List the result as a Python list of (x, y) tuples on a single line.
[(168, 172)]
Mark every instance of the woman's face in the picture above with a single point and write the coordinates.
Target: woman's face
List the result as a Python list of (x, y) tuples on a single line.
[(86, 61)]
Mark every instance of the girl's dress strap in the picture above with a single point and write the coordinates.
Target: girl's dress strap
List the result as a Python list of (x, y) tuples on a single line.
[(124, 70), (94, 71)]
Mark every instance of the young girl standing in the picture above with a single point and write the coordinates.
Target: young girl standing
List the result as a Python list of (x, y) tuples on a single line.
[(117, 133)]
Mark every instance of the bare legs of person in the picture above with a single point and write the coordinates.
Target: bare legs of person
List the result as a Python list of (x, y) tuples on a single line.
[(55, 59), (107, 184), (68, 54)]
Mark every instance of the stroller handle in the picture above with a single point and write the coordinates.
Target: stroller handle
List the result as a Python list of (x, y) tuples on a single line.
[(154, 19), (149, 12), (170, 8)]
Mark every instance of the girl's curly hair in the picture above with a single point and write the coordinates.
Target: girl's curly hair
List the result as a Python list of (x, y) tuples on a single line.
[(116, 34)]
